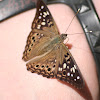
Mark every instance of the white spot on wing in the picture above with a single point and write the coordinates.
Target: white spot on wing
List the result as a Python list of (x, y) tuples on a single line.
[(74, 79), (39, 9), (47, 13), (60, 69), (43, 23), (43, 19), (67, 67), (78, 77), (44, 16), (71, 75), (68, 62), (40, 13), (39, 17), (64, 65), (73, 69), (75, 66), (42, 7), (38, 27), (41, 34), (68, 74)]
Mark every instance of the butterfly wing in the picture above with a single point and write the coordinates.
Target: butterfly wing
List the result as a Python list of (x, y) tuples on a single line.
[(58, 63), (44, 20), (44, 65), (43, 29), (68, 70)]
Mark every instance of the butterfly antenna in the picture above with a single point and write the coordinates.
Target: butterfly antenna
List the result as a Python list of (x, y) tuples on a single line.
[(72, 20)]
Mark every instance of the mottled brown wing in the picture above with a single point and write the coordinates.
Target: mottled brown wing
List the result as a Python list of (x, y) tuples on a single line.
[(44, 20), (58, 63), (43, 30), (46, 64), (68, 70)]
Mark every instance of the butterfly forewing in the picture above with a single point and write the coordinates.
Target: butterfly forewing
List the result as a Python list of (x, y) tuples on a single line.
[(34, 45), (68, 70), (44, 20), (43, 29)]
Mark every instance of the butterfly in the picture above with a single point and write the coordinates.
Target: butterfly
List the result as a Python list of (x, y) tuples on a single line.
[(46, 52)]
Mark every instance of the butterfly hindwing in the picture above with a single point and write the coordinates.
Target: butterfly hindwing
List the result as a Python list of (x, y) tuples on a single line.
[(44, 65), (68, 70), (43, 29)]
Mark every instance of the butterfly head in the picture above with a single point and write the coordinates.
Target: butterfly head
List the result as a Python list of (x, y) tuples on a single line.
[(63, 37)]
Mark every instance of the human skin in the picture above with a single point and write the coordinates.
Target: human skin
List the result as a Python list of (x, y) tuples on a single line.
[(19, 84)]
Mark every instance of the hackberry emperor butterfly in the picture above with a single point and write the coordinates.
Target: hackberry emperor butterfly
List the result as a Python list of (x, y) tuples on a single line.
[(50, 57)]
